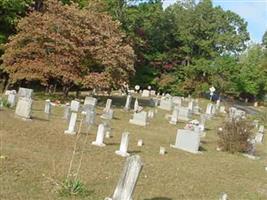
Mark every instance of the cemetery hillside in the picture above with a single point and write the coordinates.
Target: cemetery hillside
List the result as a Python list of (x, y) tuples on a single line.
[(131, 100)]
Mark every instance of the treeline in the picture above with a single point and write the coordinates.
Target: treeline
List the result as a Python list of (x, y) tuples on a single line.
[(183, 49)]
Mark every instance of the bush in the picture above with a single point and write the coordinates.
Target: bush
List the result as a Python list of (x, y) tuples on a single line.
[(234, 136), (5, 103)]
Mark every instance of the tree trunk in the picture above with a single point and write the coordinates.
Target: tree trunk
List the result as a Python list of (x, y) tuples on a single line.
[(66, 90), (46, 89), (50, 89), (78, 92), (6, 83), (55, 88)]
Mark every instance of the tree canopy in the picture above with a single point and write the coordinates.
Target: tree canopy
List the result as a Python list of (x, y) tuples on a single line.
[(71, 46)]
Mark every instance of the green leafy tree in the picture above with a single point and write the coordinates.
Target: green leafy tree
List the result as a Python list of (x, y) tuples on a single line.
[(264, 39), (251, 79)]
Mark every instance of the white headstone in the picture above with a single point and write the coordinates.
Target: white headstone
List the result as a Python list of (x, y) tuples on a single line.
[(187, 140), (47, 108), (145, 93), (140, 143), (128, 103), (222, 109), (218, 104), (74, 106), (177, 101), (11, 99), (139, 119), (108, 105), (100, 136), (150, 114), (174, 116), (153, 93), (210, 109), (124, 145), (261, 129), (24, 107), (162, 151), (259, 138), (128, 179), (136, 105), (72, 124)]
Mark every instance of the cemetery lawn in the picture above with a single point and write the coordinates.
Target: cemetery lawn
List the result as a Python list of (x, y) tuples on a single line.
[(35, 158)]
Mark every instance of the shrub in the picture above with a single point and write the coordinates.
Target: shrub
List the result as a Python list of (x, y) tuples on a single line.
[(234, 136), (5, 103)]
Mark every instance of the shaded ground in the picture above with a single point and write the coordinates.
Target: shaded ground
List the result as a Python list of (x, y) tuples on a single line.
[(38, 155)]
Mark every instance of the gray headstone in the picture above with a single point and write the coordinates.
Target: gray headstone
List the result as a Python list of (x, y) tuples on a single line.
[(90, 117), (90, 101), (187, 140), (184, 113), (139, 119), (108, 115), (166, 103), (210, 109), (174, 116), (23, 108), (25, 92)]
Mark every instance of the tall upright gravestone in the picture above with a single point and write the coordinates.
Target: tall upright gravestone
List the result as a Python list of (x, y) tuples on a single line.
[(128, 179)]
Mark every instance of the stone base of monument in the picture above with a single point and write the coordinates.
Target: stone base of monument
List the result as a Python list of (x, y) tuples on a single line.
[(98, 144), (123, 154), (194, 152), (137, 122), (70, 132), (23, 118)]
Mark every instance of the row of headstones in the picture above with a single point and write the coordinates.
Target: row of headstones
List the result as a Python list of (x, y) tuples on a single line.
[(24, 103)]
